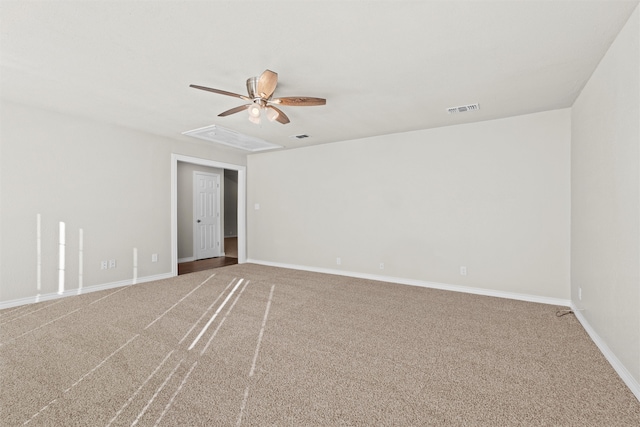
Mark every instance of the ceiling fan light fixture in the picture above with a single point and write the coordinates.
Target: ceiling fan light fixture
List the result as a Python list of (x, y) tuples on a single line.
[(272, 114), (254, 111)]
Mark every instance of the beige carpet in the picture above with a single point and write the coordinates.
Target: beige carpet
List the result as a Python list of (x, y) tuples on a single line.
[(254, 345)]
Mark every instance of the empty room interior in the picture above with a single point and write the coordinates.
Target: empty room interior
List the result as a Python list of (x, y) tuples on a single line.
[(320, 213)]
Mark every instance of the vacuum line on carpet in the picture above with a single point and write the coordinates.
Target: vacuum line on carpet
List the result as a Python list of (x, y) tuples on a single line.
[(41, 326), (224, 318), (58, 318), (31, 312), (215, 315), (83, 377), (108, 295), (184, 380), (255, 357), (144, 410), (101, 363), (128, 402), (206, 311), (264, 323), (179, 301), (166, 408), (13, 310)]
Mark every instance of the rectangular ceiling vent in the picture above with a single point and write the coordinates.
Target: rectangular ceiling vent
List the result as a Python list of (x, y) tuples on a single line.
[(231, 138), (301, 136), (463, 108)]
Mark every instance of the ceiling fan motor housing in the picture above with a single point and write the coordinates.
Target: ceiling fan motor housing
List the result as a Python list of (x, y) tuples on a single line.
[(252, 87)]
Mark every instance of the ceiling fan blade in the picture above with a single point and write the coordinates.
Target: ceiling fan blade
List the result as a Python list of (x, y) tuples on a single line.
[(281, 117), (221, 92), (234, 110), (267, 83), (299, 101)]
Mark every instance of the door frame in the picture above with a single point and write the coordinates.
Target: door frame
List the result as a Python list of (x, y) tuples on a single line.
[(242, 204), (195, 214)]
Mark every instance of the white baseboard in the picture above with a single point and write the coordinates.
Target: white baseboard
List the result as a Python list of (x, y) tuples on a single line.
[(622, 371), (422, 283), (88, 289)]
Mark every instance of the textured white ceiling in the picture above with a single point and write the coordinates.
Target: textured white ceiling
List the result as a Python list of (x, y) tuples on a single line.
[(384, 66)]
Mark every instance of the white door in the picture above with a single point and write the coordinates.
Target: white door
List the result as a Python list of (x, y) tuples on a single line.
[(206, 215)]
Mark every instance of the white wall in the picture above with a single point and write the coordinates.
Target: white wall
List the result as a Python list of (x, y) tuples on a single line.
[(605, 180), (111, 182), (491, 196)]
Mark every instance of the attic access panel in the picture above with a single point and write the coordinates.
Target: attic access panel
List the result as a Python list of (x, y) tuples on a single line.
[(231, 138)]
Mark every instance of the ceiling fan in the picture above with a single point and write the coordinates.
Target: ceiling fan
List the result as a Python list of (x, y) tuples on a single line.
[(260, 90)]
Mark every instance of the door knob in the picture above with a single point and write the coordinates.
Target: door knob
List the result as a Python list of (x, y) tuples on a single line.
[(198, 220)]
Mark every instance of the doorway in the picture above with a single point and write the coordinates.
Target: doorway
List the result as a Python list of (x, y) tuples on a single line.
[(239, 219)]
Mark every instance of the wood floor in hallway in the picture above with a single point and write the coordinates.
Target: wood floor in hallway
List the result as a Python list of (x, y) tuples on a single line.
[(230, 258)]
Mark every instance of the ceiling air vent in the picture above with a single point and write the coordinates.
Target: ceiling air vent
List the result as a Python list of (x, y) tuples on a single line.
[(231, 138), (463, 108), (301, 136)]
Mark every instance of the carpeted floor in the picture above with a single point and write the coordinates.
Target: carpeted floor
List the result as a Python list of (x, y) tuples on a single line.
[(254, 345)]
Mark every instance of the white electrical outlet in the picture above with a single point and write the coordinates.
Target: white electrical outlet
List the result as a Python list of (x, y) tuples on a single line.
[(103, 265), (338, 261), (382, 266), (580, 294), (154, 257), (463, 270), (112, 263)]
